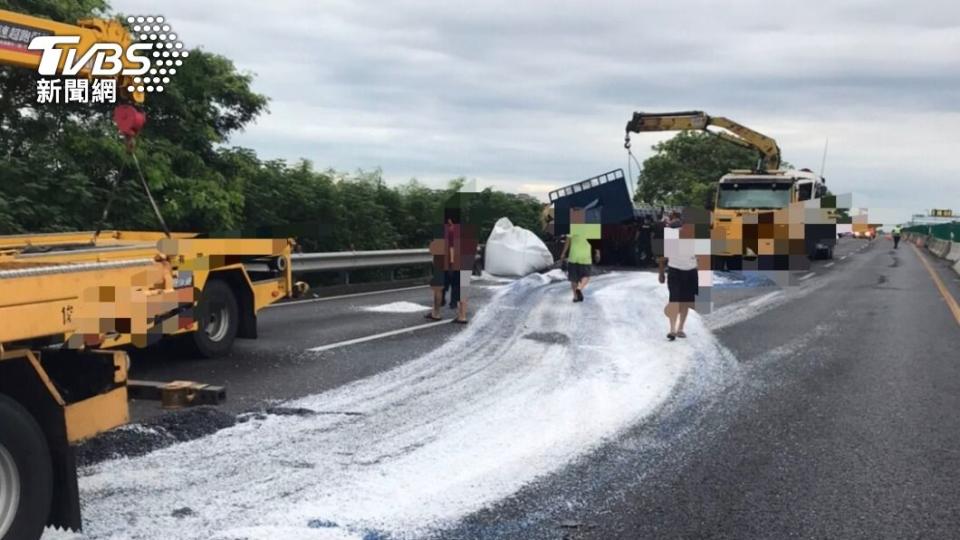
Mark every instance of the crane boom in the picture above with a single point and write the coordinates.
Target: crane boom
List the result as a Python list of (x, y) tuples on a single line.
[(17, 30), (698, 120)]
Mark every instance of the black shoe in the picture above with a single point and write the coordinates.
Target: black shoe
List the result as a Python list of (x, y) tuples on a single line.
[(671, 336), (579, 295)]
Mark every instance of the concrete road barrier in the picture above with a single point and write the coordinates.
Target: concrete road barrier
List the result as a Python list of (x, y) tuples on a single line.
[(938, 247), (943, 248), (954, 253)]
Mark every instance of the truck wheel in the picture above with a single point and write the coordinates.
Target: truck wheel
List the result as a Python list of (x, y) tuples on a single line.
[(218, 315), (26, 474)]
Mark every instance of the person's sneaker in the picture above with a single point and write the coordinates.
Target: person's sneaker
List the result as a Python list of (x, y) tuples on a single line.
[(579, 295), (671, 336)]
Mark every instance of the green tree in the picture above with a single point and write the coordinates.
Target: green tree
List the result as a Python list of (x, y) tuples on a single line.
[(59, 162), (685, 169)]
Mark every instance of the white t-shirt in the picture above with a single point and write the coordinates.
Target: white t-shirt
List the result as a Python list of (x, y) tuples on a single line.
[(680, 252)]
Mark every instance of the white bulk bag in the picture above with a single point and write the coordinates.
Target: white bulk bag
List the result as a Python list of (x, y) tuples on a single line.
[(514, 251)]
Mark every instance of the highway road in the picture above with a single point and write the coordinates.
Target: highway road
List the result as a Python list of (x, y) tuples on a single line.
[(821, 409)]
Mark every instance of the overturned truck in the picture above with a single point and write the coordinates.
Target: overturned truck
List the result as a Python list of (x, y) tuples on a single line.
[(626, 231)]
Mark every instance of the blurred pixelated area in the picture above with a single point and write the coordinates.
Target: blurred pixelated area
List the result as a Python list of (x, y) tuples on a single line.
[(109, 313), (152, 305)]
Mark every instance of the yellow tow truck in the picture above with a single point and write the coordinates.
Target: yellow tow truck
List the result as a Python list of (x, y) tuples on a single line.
[(69, 301), (767, 215)]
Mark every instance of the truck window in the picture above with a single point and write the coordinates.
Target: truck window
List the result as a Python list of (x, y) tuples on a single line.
[(804, 192), (766, 195)]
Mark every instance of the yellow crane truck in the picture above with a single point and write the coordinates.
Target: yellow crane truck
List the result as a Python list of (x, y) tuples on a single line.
[(763, 215), (69, 301)]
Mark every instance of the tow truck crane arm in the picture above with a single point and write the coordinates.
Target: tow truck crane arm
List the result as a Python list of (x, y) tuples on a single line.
[(17, 30), (698, 120)]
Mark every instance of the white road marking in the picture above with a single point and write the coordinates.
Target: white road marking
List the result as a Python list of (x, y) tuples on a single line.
[(828, 265), (844, 257), (398, 307), (808, 276), (378, 336), (354, 295)]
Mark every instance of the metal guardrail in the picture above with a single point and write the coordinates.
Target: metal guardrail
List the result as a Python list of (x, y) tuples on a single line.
[(350, 260), (355, 260)]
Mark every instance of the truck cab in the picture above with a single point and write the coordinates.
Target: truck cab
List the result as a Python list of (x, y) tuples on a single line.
[(771, 217)]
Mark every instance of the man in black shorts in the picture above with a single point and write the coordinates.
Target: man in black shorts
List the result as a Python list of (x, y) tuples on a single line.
[(579, 249), (681, 274)]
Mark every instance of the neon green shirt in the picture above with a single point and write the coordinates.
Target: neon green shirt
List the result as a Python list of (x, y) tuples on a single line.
[(580, 233)]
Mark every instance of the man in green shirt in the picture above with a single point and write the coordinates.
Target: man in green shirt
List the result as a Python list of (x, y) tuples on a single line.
[(578, 246), (896, 237)]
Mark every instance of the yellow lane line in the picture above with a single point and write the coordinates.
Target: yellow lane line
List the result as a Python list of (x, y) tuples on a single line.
[(951, 302)]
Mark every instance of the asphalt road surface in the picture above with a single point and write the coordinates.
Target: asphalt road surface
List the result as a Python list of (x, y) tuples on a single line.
[(825, 409)]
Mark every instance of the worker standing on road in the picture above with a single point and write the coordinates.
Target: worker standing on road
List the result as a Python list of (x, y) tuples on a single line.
[(454, 251), (450, 233), (441, 265), (461, 248), (678, 267), (579, 265), (896, 237)]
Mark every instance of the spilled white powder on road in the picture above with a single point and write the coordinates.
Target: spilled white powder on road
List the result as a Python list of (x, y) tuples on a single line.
[(397, 307), (749, 308), (534, 382)]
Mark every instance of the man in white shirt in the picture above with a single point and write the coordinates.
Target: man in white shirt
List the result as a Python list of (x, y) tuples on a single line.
[(679, 269)]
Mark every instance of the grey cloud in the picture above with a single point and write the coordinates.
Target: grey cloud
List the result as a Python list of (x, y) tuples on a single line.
[(540, 90)]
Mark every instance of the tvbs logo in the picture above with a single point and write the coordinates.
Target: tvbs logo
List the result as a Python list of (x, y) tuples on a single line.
[(145, 65), (104, 59)]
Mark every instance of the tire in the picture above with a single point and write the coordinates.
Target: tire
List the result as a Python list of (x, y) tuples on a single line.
[(26, 474), (218, 315)]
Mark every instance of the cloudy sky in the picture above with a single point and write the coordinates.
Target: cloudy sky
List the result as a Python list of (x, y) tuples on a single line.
[(529, 95)]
